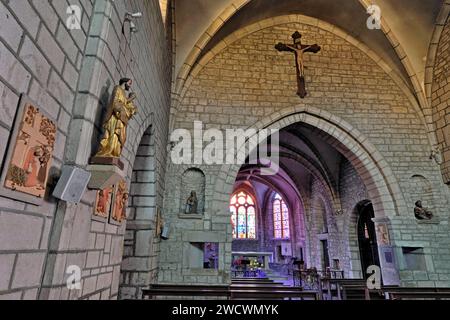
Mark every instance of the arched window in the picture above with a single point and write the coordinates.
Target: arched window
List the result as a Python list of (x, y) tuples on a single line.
[(280, 218), (243, 216)]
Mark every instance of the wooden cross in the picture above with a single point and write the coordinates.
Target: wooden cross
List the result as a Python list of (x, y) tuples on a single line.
[(298, 49)]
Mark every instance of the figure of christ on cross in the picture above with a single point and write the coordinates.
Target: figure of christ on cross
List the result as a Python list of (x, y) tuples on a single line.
[(298, 49)]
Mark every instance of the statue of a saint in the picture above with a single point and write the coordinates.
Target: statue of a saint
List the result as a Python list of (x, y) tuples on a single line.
[(192, 204), (436, 155), (422, 213), (120, 111)]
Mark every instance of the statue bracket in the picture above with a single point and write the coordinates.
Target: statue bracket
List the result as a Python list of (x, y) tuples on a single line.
[(105, 175), (434, 220), (191, 216)]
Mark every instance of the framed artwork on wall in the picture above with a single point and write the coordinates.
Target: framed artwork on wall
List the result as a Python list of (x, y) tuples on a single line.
[(120, 202), (25, 171), (111, 204), (103, 203)]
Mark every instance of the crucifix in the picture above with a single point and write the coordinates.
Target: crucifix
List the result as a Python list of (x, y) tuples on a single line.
[(299, 49)]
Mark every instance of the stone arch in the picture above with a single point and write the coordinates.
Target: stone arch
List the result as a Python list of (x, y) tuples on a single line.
[(138, 269), (406, 61), (193, 179), (293, 196), (365, 158), (192, 67), (355, 268), (432, 52), (438, 72), (232, 9)]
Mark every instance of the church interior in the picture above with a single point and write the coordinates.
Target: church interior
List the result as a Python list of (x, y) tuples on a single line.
[(226, 149)]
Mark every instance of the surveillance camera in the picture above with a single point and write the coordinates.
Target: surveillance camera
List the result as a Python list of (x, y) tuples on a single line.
[(135, 15)]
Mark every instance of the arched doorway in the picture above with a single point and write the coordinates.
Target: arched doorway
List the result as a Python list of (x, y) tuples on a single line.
[(141, 243), (367, 238)]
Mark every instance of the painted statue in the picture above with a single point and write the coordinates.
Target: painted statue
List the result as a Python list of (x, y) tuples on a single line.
[(120, 111), (422, 213), (192, 204)]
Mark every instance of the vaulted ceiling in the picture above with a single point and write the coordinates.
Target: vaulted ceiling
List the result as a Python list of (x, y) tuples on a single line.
[(412, 23)]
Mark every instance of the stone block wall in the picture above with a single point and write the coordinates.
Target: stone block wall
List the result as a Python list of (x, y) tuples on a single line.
[(247, 80), (352, 192), (41, 58), (140, 255), (441, 98), (71, 74)]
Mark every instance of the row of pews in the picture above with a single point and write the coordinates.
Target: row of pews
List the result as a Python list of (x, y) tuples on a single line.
[(266, 289), (240, 289), (356, 289)]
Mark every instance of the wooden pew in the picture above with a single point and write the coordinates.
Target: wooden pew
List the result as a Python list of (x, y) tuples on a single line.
[(250, 280), (273, 294), (235, 291), (345, 289), (158, 290), (401, 293)]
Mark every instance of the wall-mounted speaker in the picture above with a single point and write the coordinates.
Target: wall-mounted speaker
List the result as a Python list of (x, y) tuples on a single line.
[(72, 184)]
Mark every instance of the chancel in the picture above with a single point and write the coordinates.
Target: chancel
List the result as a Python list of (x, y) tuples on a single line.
[(235, 149)]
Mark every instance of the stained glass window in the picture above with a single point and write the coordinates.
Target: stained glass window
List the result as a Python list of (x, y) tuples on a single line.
[(243, 216), (280, 218)]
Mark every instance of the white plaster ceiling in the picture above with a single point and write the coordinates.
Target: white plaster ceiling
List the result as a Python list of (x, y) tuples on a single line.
[(412, 22)]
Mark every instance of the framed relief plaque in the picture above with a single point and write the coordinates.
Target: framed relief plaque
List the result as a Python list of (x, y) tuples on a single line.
[(103, 203), (29, 154), (120, 202)]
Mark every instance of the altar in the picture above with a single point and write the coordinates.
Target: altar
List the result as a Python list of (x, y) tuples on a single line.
[(259, 260)]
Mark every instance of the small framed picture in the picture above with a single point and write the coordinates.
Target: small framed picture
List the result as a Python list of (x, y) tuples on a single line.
[(103, 203), (29, 156), (120, 203)]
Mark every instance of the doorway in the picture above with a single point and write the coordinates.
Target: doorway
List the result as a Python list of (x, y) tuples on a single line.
[(325, 255), (367, 239)]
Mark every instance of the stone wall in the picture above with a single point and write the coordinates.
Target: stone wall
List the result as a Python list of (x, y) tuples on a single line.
[(441, 98), (246, 80), (41, 58), (71, 74), (352, 192), (140, 256)]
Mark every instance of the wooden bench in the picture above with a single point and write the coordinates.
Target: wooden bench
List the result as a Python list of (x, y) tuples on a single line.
[(343, 289), (400, 293), (235, 291), (159, 290), (273, 294), (257, 286), (253, 280), (356, 289)]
